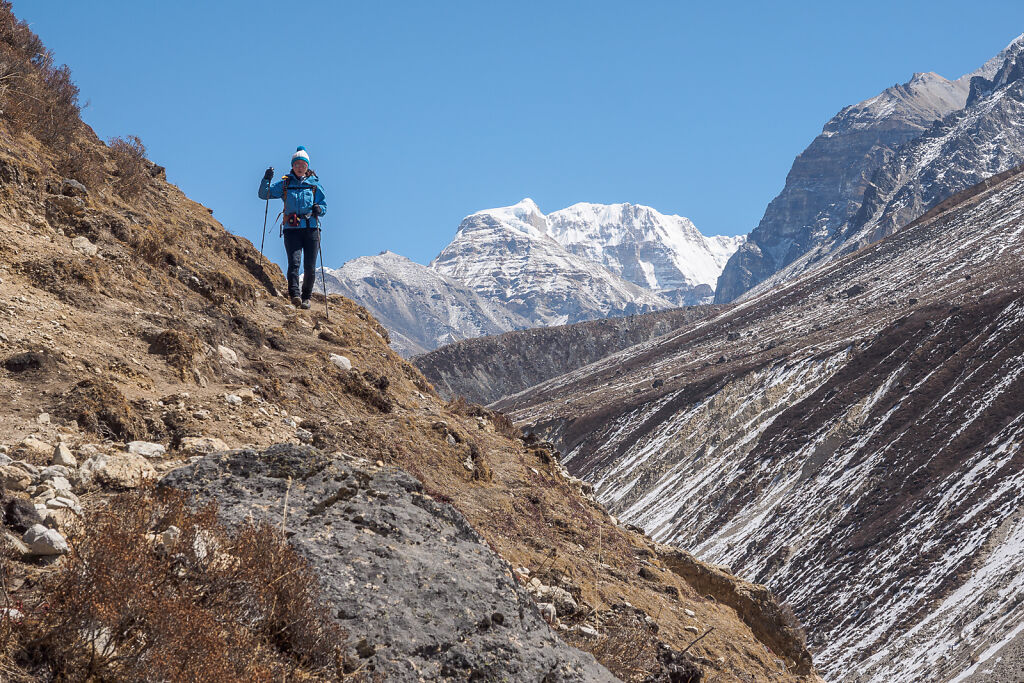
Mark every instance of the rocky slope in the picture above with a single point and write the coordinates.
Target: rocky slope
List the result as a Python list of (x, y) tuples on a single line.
[(489, 368), (421, 308), (137, 334), (826, 187), (853, 439)]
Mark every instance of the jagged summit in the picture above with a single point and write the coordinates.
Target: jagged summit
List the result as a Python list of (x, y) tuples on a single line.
[(833, 177)]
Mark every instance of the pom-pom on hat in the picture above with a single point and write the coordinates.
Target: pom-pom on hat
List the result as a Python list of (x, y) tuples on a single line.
[(300, 155)]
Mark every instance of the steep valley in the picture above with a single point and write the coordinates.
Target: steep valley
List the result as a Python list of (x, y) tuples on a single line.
[(852, 439)]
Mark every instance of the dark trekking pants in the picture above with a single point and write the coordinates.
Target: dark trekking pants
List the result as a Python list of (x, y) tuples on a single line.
[(302, 245)]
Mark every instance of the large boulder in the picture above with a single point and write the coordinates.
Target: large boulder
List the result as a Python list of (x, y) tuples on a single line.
[(122, 470), (420, 594)]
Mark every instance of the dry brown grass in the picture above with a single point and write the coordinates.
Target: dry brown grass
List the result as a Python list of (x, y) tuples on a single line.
[(220, 605)]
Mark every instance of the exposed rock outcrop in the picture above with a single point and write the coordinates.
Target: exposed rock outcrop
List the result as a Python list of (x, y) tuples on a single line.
[(429, 600)]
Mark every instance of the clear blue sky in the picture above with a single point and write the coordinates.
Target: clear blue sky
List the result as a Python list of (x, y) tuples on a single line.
[(418, 113)]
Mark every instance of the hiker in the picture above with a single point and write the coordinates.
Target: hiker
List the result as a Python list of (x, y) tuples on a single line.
[(304, 204)]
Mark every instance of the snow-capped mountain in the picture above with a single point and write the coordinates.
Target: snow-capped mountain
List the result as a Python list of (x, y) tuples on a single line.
[(958, 151), (512, 267), (665, 254), (827, 183), (853, 438), (421, 308), (507, 255)]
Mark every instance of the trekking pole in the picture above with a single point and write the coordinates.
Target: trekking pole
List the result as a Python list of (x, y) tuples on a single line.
[(323, 278), (266, 210)]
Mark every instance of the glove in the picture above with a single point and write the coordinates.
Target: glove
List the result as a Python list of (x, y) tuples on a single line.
[(269, 174), (317, 210)]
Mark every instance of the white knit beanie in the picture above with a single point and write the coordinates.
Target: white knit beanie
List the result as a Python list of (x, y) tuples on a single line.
[(300, 155)]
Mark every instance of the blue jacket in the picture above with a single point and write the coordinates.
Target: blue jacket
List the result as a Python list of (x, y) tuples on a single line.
[(302, 195)]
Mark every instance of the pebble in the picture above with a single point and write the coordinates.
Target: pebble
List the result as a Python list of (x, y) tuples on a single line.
[(147, 449), (43, 542), (690, 613), (233, 399), (691, 629), (62, 456), (43, 418), (587, 631), (201, 414)]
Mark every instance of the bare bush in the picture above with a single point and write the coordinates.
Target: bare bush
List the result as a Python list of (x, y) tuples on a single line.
[(35, 94), (216, 604), (129, 156)]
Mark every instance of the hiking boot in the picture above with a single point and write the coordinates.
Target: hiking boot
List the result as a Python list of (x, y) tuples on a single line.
[(306, 304), (296, 301)]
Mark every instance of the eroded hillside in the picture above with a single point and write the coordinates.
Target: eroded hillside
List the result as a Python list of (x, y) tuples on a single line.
[(853, 440)]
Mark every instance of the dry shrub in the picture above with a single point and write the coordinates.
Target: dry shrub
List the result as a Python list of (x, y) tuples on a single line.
[(73, 279), (219, 605), (369, 387), (626, 647), (99, 407), (35, 94), (81, 162), (131, 172)]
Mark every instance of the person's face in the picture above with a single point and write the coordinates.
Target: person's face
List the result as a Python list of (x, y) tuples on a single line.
[(299, 167)]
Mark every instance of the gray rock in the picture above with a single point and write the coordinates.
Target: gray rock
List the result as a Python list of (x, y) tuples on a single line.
[(62, 456), (228, 355), (43, 542), (72, 188), (125, 470), (402, 571), (83, 245), (14, 478), (342, 362), (147, 449)]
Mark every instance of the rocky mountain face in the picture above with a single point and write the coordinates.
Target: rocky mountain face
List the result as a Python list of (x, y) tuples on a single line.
[(513, 268), (962, 149), (125, 356), (853, 439), (486, 369), (421, 308), (820, 206)]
